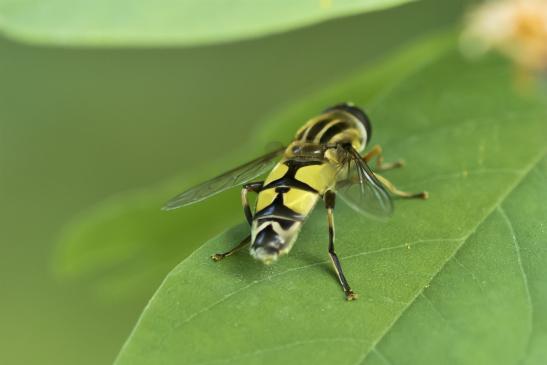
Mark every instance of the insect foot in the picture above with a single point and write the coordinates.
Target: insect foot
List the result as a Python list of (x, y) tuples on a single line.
[(350, 295), (399, 163), (217, 257)]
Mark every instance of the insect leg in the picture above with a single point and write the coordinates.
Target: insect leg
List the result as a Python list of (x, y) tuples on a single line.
[(243, 243), (403, 194), (330, 198), (376, 151), (254, 187)]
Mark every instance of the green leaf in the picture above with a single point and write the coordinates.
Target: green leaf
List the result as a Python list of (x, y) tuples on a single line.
[(457, 279), (125, 246), (167, 22)]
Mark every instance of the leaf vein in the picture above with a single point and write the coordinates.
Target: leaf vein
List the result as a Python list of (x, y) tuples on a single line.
[(434, 307), (382, 357), (475, 278), (464, 174), (502, 198), (304, 267), (281, 348), (522, 273)]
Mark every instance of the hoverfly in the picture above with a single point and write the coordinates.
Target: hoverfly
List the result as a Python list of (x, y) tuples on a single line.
[(322, 161)]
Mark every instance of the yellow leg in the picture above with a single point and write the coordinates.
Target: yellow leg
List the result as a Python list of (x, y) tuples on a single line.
[(376, 151), (403, 194)]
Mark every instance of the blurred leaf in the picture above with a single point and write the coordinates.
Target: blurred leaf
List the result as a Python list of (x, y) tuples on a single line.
[(167, 22), (125, 245), (458, 279)]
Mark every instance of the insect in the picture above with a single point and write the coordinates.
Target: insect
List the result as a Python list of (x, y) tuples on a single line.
[(322, 161)]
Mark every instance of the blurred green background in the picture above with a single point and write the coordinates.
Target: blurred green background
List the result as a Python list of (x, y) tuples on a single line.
[(79, 125)]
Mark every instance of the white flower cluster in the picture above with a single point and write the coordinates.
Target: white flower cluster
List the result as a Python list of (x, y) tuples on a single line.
[(516, 28)]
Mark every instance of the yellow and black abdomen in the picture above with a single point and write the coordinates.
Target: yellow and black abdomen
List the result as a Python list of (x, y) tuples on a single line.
[(287, 197), (297, 182)]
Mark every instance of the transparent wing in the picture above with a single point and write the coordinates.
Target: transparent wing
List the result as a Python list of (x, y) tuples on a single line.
[(362, 191), (237, 176)]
